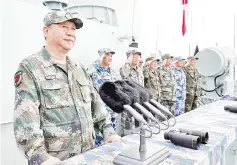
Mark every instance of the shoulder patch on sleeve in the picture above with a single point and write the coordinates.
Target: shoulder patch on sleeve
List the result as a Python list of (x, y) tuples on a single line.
[(18, 78)]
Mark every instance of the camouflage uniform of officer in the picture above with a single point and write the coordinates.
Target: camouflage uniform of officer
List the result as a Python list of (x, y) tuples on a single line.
[(151, 79), (56, 107), (130, 73), (168, 87), (99, 75), (180, 79), (193, 86)]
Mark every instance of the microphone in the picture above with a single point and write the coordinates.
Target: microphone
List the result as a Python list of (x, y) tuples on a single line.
[(158, 105), (148, 96), (144, 98), (135, 99), (162, 108), (119, 101)]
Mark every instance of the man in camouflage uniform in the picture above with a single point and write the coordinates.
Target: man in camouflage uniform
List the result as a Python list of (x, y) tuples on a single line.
[(56, 107), (131, 70), (180, 85), (100, 73), (193, 84), (151, 79), (167, 81)]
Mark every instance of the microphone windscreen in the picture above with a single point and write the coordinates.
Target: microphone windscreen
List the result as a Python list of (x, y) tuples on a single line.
[(144, 96), (130, 91), (149, 93), (113, 97)]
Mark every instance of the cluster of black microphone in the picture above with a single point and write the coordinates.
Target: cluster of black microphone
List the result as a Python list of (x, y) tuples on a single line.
[(125, 95)]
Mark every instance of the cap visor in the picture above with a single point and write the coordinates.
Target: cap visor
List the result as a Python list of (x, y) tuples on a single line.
[(110, 53), (78, 22), (139, 53)]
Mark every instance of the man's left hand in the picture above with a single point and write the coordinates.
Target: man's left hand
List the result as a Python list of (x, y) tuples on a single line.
[(113, 138)]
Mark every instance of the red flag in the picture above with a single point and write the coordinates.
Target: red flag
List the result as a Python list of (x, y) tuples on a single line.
[(184, 2), (184, 27)]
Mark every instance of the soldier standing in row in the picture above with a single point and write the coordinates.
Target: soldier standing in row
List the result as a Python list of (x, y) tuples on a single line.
[(101, 72), (167, 81), (180, 85), (151, 79), (131, 69), (193, 86)]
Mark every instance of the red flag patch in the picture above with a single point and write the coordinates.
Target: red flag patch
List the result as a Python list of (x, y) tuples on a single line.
[(18, 78)]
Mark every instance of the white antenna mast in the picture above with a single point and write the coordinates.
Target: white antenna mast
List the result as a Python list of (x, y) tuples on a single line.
[(133, 17), (234, 31), (234, 48)]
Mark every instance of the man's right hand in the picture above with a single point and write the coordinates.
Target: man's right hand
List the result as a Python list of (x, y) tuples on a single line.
[(51, 161)]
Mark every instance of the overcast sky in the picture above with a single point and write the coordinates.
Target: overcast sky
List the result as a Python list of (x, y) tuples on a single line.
[(157, 23)]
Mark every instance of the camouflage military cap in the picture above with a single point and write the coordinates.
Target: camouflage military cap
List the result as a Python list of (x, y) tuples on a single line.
[(192, 58), (152, 59), (130, 52), (179, 58), (105, 51), (62, 16), (166, 56)]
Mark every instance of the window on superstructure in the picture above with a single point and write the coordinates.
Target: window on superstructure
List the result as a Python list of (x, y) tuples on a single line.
[(100, 14)]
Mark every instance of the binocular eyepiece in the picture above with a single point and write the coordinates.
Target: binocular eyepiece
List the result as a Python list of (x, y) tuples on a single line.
[(204, 136), (187, 138), (231, 108)]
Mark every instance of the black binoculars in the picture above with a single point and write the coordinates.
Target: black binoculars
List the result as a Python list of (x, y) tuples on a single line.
[(187, 138), (231, 108)]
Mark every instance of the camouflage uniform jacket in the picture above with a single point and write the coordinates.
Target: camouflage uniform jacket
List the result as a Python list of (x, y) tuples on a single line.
[(129, 73), (180, 78), (56, 111), (152, 82), (192, 79), (99, 75), (167, 83)]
